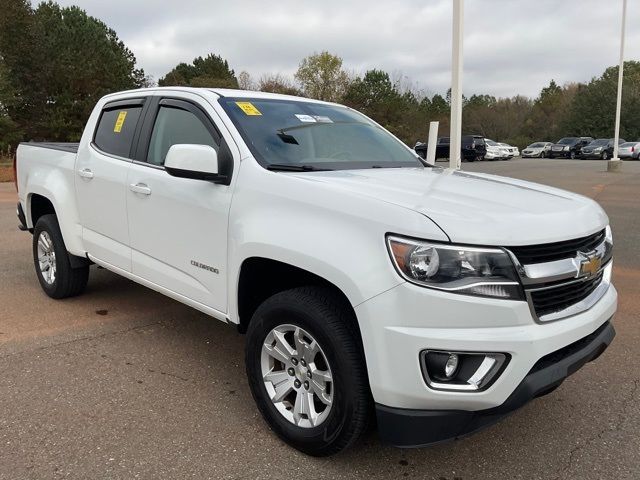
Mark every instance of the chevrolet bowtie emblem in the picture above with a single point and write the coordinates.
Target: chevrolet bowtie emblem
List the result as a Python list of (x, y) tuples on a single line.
[(588, 264)]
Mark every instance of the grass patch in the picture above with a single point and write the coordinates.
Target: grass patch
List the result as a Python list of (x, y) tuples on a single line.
[(6, 173)]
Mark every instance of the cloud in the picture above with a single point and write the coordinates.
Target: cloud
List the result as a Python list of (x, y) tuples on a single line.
[(511, 46)]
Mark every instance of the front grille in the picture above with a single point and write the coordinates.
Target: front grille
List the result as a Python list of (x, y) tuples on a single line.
[(556, 299), (550, 252)]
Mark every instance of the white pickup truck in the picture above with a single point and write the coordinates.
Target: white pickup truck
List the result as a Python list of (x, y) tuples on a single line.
[(369, 284)]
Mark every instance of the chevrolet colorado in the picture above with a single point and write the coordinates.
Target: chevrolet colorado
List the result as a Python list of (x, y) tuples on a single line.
[(367, 282)]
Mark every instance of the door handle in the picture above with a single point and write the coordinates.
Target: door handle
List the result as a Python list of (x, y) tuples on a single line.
[(140, 188), (85, 173)]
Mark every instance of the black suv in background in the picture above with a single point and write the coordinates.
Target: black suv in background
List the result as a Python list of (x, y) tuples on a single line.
[(474, 148), (569, 147), (601, 148)]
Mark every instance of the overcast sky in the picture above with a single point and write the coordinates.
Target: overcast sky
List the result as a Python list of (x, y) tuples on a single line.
[(511, 46)]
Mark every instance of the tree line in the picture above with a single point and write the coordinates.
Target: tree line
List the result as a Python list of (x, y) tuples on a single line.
[(56, 62)]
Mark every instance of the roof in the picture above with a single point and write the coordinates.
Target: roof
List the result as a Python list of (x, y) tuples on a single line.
[(226, 92)]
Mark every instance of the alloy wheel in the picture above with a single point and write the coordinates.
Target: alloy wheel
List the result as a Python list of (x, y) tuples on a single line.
[(297, 376), (46, 258)]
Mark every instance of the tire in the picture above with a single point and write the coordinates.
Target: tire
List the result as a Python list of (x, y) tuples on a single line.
[(57, 278), (320, 315)]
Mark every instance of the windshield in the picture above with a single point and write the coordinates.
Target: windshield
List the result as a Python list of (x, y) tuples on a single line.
[(599, 143), (628, 144), (292, 134), (567, 140), (536, 145), (492, 143)]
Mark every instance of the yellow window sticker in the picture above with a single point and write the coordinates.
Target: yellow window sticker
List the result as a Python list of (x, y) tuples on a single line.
[(248, 108), (120, 122)]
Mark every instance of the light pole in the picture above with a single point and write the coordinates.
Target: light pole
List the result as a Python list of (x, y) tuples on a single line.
[(614, 163), (455, 147)]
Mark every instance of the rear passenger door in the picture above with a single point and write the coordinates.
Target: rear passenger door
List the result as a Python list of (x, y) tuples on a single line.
[(101, 174), (178, 226)]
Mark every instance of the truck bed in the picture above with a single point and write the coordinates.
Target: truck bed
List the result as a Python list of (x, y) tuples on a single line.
[(64, 147)]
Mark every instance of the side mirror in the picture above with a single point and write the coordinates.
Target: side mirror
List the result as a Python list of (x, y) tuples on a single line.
[(198, 162)]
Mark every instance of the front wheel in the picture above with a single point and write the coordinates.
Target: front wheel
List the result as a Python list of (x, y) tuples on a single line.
[(572, 155), (306, 370), (605, 156), (57, 277), (543, 155)]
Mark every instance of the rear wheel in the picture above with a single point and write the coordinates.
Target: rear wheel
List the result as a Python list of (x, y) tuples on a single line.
[(52, 263), (306, 370)]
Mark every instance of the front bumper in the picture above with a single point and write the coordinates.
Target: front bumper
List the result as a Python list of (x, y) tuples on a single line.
[(414, 428), (402, 322)]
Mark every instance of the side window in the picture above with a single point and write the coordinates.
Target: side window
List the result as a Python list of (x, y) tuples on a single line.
[(115, 130), (175, 126)]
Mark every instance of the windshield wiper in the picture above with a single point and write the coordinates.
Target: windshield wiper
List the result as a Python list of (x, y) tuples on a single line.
[(288, 167)]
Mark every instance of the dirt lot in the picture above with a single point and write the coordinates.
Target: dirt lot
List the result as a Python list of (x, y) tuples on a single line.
[(125, 383), (6, 173)]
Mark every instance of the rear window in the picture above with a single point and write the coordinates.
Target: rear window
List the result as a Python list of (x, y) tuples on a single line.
[(115, 130)]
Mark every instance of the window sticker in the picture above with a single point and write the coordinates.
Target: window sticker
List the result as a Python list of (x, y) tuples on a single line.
[(248, 108), (322, 118), (305, 118), (117, 128)]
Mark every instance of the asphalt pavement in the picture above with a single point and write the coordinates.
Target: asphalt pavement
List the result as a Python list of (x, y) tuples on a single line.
[(122, 382)]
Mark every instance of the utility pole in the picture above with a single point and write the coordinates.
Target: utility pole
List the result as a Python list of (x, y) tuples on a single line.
[(455, 147), (614, 163)]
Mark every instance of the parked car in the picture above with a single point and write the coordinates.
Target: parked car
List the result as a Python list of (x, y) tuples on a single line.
[(365, 280), (569, 147), (630, 150), (495, 151), (537, 149), (473, 148), (601, 148), (513, 151)]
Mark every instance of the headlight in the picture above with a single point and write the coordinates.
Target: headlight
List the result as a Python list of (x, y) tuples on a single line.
[(486, 272), (597, 149), (566, 147), (608, 235)]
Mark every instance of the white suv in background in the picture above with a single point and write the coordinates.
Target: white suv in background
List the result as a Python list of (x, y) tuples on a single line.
[(513, 151), (496, 151)]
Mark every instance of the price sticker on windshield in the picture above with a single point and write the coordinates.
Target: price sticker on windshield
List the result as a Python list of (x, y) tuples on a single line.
[(117, 128), (248, 108)]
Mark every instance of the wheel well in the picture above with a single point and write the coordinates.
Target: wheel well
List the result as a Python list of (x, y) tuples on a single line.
[(40, 206), (260, 278)]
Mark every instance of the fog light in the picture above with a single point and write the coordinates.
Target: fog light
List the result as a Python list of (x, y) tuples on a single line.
[(461, 371), (451, 366)]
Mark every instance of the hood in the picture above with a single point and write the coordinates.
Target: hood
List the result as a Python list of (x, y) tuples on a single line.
[(474, 208)]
